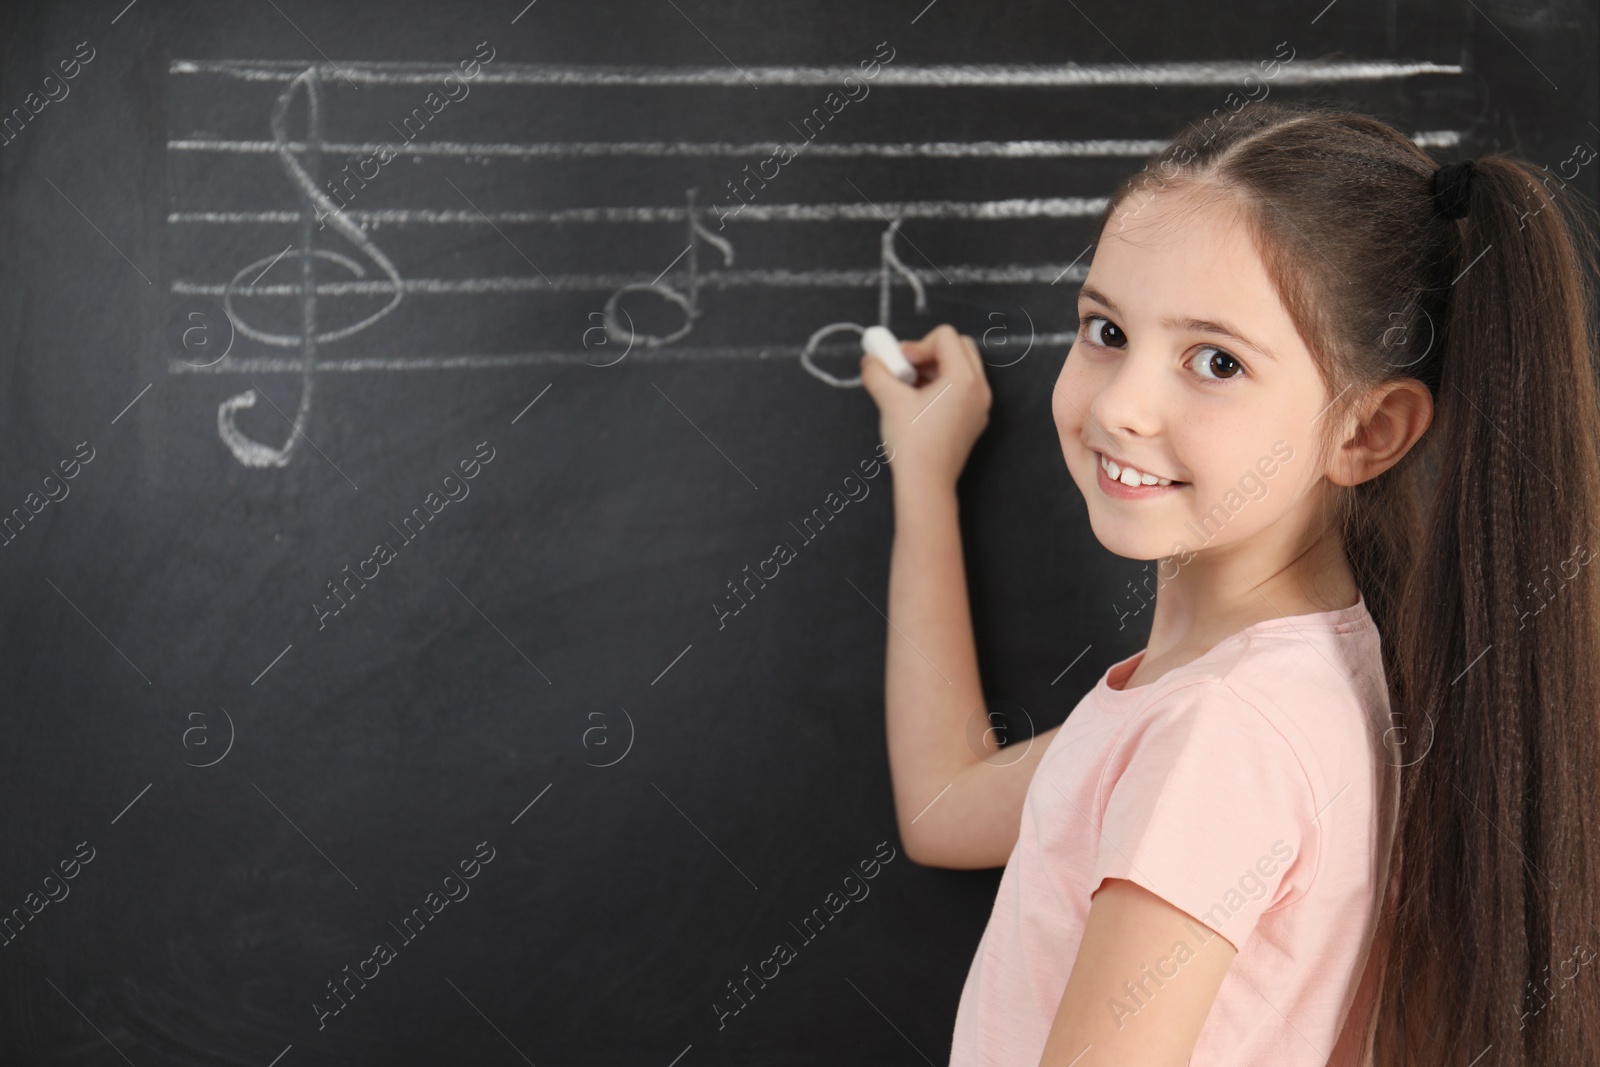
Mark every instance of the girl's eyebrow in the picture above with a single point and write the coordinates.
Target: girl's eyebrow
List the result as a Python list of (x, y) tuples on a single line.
[(1221, 329)]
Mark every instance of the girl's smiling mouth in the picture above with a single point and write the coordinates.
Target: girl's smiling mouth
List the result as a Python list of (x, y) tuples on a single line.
[(1125, 482)]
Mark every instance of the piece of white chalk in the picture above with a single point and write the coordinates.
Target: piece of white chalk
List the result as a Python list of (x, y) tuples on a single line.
[(878, 341)]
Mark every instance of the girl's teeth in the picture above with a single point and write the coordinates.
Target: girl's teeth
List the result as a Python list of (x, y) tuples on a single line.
[(1130, 477)]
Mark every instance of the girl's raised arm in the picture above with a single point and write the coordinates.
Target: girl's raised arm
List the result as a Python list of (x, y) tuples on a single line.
[(958, 795)]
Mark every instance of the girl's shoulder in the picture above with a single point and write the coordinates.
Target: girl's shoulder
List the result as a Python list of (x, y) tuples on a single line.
[(1303, 693), (1316, 673), (1330, 657)]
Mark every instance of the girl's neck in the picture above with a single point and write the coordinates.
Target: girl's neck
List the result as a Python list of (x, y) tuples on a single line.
[(1211, 599)]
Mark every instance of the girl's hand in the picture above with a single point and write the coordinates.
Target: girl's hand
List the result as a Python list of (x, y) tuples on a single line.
[(930, 427)]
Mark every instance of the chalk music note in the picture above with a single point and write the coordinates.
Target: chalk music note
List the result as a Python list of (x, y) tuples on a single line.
[(690, 302), (887, 259), (250, 452)]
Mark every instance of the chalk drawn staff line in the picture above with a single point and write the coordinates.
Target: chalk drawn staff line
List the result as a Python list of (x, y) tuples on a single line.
[(313, 44), (1060, 207), (1025, 149), (1110, 148), (1114, 44), (888, 247), (935, 76), (714, 44), (849, 278), (512, 360), (1015, 207), (688, 303), (497, 229)]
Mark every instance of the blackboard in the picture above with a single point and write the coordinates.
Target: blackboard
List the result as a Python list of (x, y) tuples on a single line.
[(389, 673)]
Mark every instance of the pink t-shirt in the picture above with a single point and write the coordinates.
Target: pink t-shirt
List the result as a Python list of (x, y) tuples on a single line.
[(1245, 788)]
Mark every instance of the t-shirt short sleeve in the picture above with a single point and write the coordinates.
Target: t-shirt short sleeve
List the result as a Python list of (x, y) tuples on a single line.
[(1208, 807)]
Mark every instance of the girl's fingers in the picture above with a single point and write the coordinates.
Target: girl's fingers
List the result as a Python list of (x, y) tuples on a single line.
[(967, 353), (920, 356), (976, 360), (943, 352), (943, 346), (921, 352)]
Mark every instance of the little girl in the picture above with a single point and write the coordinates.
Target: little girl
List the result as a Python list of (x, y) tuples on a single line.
[(1342, 809)]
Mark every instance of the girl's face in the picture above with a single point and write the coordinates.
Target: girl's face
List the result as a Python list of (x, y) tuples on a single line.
[(1187, 367)]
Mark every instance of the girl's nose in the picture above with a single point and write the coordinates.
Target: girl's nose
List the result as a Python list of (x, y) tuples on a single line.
[(1129, 399)]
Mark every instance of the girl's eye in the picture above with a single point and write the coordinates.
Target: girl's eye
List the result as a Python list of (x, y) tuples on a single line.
[(1111, 335), (1220, 366), (1213, 365)]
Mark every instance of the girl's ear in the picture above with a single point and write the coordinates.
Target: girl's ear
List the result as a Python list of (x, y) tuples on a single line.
[(1388, 422)]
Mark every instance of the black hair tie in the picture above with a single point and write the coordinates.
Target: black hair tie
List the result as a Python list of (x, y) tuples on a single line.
[(1452, 189)]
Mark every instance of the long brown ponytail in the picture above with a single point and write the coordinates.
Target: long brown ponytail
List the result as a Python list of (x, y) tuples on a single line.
[(1473, 554)]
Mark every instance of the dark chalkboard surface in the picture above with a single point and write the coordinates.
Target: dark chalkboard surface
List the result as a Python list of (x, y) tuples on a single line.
[(445, 562)]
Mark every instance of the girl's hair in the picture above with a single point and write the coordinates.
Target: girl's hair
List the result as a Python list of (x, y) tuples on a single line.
[(1471, 551)]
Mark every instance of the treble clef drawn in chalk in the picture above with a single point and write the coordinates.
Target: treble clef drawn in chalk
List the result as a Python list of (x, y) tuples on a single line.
[(887, 259), (304, 177), (690, 302)]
